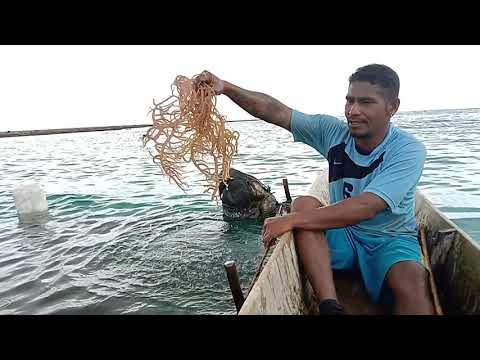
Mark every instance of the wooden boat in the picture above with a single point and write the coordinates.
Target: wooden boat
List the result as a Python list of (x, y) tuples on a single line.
[(282, 288)]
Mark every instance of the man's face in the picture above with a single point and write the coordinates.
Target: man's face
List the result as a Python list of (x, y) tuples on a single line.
[(367, 110)]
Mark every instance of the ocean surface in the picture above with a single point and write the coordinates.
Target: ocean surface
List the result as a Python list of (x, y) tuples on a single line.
[(119, 238)]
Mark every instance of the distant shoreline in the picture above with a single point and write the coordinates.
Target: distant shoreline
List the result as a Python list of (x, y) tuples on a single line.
[(6, 134)]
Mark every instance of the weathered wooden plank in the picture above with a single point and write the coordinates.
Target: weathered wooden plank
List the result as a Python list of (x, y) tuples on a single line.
[(431, 277), (455, 260), (279, 288)]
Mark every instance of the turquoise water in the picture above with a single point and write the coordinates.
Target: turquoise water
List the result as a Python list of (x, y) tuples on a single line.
[(120, 239)]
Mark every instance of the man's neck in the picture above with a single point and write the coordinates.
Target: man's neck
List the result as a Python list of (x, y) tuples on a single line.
[(365, 146)]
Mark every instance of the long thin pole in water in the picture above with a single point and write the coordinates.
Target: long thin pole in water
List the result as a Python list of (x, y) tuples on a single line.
[(85, 129), (234, 283), (287, 190)]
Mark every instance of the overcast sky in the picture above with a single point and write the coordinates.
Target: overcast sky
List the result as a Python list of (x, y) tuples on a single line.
[(45, 87)]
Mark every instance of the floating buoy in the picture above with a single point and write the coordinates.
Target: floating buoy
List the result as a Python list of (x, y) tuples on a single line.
[(30, 200)]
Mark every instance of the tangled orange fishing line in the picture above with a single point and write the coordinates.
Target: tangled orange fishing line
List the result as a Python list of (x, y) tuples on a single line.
[(187, 127)]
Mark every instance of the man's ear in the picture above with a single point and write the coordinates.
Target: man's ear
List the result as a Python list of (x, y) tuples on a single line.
[(393, 107)]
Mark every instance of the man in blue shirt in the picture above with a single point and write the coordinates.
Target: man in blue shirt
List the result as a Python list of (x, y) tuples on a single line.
[(374, 168)]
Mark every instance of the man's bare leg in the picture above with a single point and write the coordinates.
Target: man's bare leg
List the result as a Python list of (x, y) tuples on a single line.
[(314, 253), (409, 283)]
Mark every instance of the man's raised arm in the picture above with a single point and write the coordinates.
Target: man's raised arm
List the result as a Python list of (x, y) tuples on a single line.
[(257, 104)]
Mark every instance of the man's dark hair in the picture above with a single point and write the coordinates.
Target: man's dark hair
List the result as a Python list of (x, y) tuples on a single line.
[(381, 75)]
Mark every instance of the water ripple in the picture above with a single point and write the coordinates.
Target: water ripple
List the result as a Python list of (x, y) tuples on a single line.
[(121, 239)]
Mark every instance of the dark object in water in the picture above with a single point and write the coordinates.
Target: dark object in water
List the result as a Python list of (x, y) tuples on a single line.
[(245, 197)]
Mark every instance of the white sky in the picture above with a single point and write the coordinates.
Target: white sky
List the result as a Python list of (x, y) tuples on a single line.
[(73, 86)]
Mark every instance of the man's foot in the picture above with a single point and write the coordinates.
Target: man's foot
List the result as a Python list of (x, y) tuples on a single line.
[(330, 307)]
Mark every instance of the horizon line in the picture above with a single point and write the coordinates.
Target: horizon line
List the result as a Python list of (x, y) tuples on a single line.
[(32, 132)]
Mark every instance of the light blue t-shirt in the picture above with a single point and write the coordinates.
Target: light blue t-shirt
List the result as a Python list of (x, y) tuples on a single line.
[(391, 171)]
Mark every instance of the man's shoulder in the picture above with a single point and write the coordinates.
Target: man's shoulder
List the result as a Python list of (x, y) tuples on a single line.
[(406, 141), (324, 123), (318, 117)]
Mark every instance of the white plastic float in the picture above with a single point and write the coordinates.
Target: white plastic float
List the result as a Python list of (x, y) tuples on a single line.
[(30, 201)]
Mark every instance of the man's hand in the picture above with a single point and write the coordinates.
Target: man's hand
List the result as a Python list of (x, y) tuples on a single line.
[(210, 79), (274, 227)]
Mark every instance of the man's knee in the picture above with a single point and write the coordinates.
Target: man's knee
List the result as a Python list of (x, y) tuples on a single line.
[(408, 280), (303, 203)]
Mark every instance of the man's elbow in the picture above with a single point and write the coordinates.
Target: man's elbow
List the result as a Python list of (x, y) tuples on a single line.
[(371, 205), (278, 114), (369, 211)]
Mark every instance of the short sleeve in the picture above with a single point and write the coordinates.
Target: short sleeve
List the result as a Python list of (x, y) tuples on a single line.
[(318, 131), (400, 174)]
